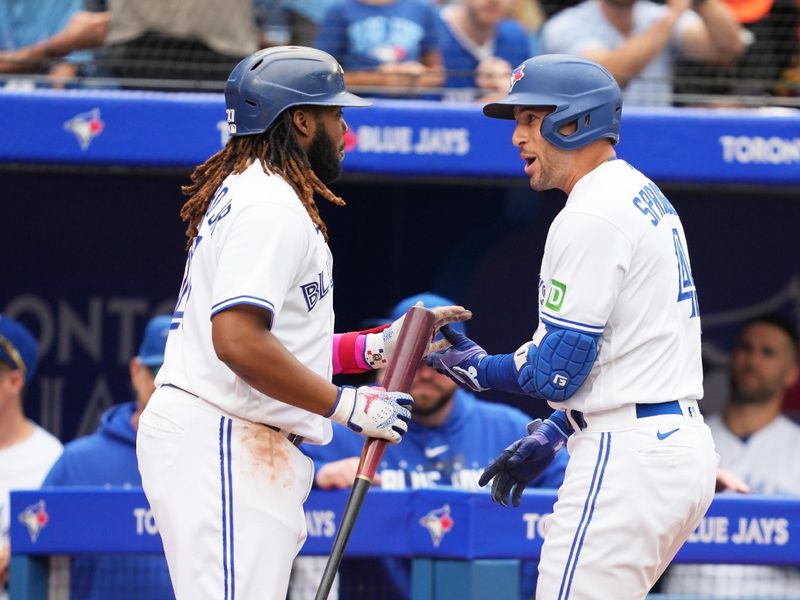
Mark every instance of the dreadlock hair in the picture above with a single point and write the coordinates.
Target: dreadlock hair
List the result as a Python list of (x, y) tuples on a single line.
[(278, 150)]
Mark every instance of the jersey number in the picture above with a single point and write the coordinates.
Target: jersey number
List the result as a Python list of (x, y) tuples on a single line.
[(686, 288), (186, 287)]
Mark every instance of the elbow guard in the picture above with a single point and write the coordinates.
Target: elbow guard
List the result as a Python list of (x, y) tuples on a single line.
[(558, 365)]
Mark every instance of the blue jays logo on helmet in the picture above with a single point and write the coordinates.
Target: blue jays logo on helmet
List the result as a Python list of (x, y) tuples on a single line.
[(516, 75)]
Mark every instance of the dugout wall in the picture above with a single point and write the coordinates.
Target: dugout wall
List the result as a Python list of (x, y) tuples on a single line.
[(436, 200)]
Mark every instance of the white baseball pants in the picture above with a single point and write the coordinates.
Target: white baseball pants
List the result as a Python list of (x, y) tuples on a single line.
[(634, 490), (227, 496)]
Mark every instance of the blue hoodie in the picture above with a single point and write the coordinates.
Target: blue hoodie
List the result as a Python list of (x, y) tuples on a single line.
[(108, 458)]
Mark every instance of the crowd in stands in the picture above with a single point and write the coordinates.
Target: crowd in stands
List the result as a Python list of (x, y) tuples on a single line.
[(460, 50)]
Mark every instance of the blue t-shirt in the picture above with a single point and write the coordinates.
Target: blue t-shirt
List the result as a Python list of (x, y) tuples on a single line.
[(453, 454), (26, 22), (108, 458), (364, 36), (511, 43)]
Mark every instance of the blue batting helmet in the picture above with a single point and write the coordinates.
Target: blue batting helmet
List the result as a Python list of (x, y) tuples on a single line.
[(269, 81), (577, 89)]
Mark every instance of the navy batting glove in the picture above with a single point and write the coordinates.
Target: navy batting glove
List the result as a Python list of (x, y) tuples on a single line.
[(524, 460), (460, 361)]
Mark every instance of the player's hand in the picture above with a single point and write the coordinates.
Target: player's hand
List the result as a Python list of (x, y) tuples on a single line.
[(523, 461), (379, 347), (373, 412), (459, 361), (729, 482), (340, 474)]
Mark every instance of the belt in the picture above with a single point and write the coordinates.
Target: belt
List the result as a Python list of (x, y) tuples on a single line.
[(293, 438), (671, 407)]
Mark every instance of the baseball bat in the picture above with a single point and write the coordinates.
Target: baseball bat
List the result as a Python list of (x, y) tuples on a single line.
[(411, 344)]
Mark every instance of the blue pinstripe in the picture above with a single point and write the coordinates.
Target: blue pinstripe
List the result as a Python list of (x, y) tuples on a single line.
[(230, 509), (222, 494), (569, 566), (591, 511)]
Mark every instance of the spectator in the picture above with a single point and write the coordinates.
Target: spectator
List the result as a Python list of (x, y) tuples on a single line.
[(530, 14), (491, 78), (179, 39), (24, 23), (303, 18), (155, 39), (474, 33), (772, 28), (451, 438), (759, 444), (389, 44), (638, 41), (108, 458), (26, 450)]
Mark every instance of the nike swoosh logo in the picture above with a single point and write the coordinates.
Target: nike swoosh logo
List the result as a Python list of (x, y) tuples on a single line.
[(434, 452), (663, 436)]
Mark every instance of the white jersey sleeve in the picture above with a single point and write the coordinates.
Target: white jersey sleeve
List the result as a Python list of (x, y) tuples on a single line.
[(258, 257), (587, 257)]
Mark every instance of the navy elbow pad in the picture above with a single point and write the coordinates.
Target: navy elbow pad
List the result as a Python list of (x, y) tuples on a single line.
[(559, 365)]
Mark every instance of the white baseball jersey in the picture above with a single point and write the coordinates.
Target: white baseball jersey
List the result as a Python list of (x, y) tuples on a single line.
[(767, 462), (24, 466), (256, 245), (616, 263)]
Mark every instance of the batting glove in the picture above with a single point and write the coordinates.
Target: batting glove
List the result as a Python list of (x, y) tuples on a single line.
[(373, 412), (460, 361), (523, 461), (379, 346)]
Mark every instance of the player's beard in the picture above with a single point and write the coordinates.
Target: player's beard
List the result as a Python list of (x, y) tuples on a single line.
[(760, 393), (434, 408), (323, 156), (551, 166)]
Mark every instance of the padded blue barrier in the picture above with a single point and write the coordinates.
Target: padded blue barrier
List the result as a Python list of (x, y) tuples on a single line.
[(442, 523), (394, 137)]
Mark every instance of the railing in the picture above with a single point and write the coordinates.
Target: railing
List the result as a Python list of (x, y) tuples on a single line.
[(453, 536)]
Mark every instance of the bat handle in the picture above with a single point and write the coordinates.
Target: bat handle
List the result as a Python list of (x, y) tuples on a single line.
[(370, 458)]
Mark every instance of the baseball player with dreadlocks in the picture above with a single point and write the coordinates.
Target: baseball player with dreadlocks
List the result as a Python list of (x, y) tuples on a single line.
[(616, 353), (251, 349)]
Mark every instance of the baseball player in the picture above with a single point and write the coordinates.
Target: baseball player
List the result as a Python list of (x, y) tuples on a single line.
[(616, 353), (246, 375)]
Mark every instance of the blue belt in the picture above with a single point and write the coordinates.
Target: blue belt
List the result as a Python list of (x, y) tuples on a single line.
[(672, 407)]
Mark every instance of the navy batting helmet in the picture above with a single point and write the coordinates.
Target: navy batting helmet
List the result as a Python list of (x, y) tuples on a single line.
[(269, 81), (577, 89)]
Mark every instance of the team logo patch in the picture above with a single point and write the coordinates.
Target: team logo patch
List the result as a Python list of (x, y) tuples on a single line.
[(516, 75), (35, 518), (555, 297), (86, 126), (231, 115), (438, 522)]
